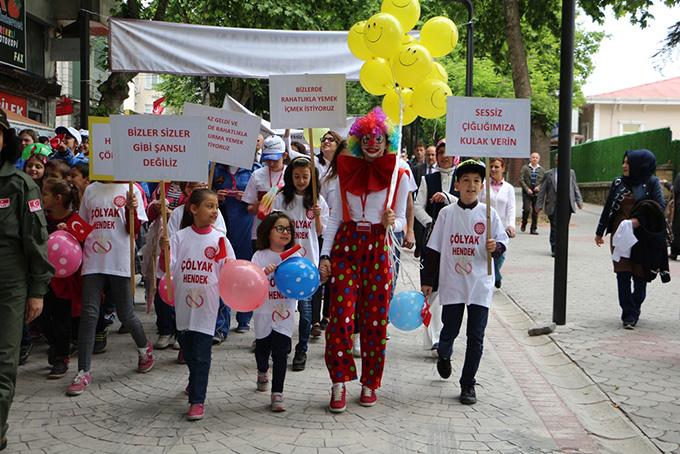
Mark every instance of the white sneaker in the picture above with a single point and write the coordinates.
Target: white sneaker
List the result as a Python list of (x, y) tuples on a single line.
[(164, 341), (356, 349), (277, 402)]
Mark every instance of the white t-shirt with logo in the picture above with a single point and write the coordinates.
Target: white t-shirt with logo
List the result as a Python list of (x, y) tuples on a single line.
[(278, 312), (195, 274), (305, 226), (459, 235), (259, 184), (107, 247)]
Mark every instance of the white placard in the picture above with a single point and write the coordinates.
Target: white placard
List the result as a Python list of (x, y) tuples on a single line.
[(488, 127), (160, 147), (232, 136), (307, 101), (101, 152)]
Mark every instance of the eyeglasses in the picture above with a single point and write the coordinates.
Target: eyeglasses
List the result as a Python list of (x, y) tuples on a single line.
[(282, 229), (327, 139)]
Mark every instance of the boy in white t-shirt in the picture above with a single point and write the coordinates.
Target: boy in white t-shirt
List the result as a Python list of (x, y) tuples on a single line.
[(456, 255)]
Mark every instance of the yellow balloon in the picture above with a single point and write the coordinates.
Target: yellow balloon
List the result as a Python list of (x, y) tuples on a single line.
[(390, 105), (429, 98), (382, 35), (412, 65), (355, 41), (317, 133), (439, 35), (407, 12), (439, 72), (376, 77), (407, 39)]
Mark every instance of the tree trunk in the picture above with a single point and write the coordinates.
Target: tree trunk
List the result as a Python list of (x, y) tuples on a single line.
[(115, 89)]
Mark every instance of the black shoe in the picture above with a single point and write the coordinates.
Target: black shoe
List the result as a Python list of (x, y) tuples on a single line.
[(468, 395), (523, 228), (497, 284), (628, 325), (444, 368), (299, 361), (99, 342), (3, 443), (123, 329), (534, 232), (323, 324), (59, 369), (24, 353)]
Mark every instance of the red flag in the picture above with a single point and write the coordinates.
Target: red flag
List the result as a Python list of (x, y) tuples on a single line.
[(158, 107), (285, 254), (77, 227), (222, 252), (426, 314)]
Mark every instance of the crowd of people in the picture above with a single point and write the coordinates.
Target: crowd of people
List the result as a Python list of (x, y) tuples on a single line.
[(350, 208)]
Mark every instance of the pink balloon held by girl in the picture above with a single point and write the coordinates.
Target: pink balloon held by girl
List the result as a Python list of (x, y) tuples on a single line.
[(197, 253)]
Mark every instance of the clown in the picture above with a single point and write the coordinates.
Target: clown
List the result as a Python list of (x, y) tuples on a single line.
[(356, 255)]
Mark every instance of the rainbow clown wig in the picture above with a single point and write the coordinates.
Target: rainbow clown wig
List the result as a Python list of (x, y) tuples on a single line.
[(374, 122)]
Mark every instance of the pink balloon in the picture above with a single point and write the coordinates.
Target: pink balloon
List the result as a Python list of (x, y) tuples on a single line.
[(163, 290), (243, 285), (64, 253)]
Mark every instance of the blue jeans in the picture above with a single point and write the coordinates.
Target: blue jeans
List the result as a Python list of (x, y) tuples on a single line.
[(223, 319), (243, 318), (630, 301), (497, 264), (165, 315), (452, 318), (197, 348), (305, 325)]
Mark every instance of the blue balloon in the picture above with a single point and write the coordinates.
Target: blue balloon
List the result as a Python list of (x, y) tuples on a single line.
[(405, 310), (297, 278)]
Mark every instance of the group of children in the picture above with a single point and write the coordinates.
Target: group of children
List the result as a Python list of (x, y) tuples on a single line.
[(287, 212)]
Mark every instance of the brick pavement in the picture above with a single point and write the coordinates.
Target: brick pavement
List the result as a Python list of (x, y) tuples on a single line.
[(532, 397)]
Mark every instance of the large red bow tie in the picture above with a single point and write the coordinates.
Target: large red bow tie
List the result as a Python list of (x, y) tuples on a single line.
[(359, 176)]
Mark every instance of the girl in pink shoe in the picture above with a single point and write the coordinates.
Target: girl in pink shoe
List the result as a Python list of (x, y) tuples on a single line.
[(197, 253)]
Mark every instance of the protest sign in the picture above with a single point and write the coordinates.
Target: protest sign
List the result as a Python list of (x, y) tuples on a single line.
[(159, 147), (232, 136), (488, 127), (101, 153), (307, 101)]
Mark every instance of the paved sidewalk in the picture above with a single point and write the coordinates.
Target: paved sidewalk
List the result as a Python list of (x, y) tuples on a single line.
[(638, 370), (532, 397)]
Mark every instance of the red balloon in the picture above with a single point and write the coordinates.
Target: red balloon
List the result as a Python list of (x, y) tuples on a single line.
[(243, 285), (163, 290)]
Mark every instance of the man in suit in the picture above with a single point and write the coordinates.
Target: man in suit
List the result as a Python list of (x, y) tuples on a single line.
[(419, 171), (547, 200), (531, 177)]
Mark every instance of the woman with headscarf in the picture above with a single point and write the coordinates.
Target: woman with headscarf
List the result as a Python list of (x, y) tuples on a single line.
[(636, 184), (356, 254), (23, 262)]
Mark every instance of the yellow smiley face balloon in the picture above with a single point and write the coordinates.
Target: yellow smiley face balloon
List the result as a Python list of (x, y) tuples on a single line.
[(439, 72), (355, 41), (375, 76), (390, 105), (429, 98), (382, 35), (439, 35), (411, 65), (407, 12)]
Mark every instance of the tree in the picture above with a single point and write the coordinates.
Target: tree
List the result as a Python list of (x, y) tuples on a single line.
[(115, 89)]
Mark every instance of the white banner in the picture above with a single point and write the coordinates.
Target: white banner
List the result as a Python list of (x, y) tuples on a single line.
[(160, 147), (101, 152), (232, 136), (199, 50), (488, 127), (307, 101)]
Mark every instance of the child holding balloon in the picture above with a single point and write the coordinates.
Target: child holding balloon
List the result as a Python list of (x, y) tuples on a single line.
[(197, 253), (274, 320), (309, 218), (60, 200)]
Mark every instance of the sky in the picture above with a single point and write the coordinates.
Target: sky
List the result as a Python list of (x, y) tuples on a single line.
[(625, 57)]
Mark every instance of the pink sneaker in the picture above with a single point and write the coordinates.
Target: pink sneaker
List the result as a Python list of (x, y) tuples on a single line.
[(338, 401), (80, 382), (196, 412), (368, 397), (146, 360)]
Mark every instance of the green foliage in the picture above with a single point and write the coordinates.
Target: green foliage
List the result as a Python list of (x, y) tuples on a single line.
[(637, 10)]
